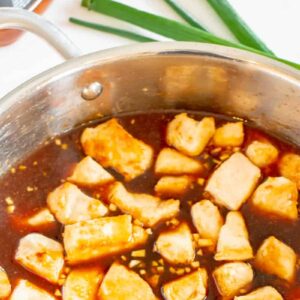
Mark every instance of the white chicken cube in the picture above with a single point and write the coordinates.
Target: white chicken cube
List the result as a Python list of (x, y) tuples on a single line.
[(277, 196), (97, 238), (176, 245), (207, 220), (82, 283), (233, 278), (70, 205), (276, 258), (41, 256), (189, 287), (172, 186), (262, 154), (41, 218), (263, 293), (188, 135), (25, 290), (112, 146), (172, 162), (233, 243), (229, 135), (89, 173), (147, 209), (289, 167), (233, 182), (122, 283), (5, 287)]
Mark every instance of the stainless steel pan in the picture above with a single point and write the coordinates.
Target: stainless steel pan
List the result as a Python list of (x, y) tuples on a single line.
[(142, 77)]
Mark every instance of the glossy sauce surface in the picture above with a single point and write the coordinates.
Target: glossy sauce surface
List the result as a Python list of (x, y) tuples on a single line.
[(29, 183)]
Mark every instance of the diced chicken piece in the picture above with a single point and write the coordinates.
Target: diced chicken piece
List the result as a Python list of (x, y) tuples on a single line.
[(176, 245), (112, 146), (229, 135), (172, 186), (122, 283), (207, 220), (289, 167), (233, 182), (41, 256), (97, 238), (25, 290), (70, 205), (5, 287), (148, 209), (89, 173), (82, 283), (262, 154), (188, 135), (42, 218), (189, 287), (233, 243), (277, 196), (172, 162), (263, 293), (276, 258), (233, 278)]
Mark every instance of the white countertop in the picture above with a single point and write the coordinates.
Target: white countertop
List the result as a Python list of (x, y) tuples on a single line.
[(277, 22)]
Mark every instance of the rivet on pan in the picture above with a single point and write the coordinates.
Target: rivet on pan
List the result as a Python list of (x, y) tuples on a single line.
[(91, 91)]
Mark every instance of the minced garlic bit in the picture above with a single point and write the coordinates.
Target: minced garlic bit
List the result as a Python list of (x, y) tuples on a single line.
[(22, 167), (195, 264), (57, 142), (112, 207), (201, 181), (138, 253), (133, 263), (149, 231), (10, 209), (13, 170), (9, 201), (57, 293), (64, 146), (35, 163), (142, 272), (132, 121), (29, 189)]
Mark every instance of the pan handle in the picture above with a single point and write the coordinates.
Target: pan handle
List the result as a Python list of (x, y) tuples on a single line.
[(29, 21)]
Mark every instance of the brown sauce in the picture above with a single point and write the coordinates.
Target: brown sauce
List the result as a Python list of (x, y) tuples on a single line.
[(30, 181)]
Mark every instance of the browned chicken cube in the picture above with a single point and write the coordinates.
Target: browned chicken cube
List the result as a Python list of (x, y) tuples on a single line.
[(176, 245), (148, 209), (89, 173), (263, 293), (122, 283), (262, 154), (172, 162), (233, 182), (277, 196), (173, 186), (25, 290), (43, 217), (233, 243), (276, 258), (233, 279), (188, 135), (41, 256), (289, 167), (70, 205), (112, 146), (189, 287), (207, 220), (5, 287), (82, 283), (93, 239), (229, 135)]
